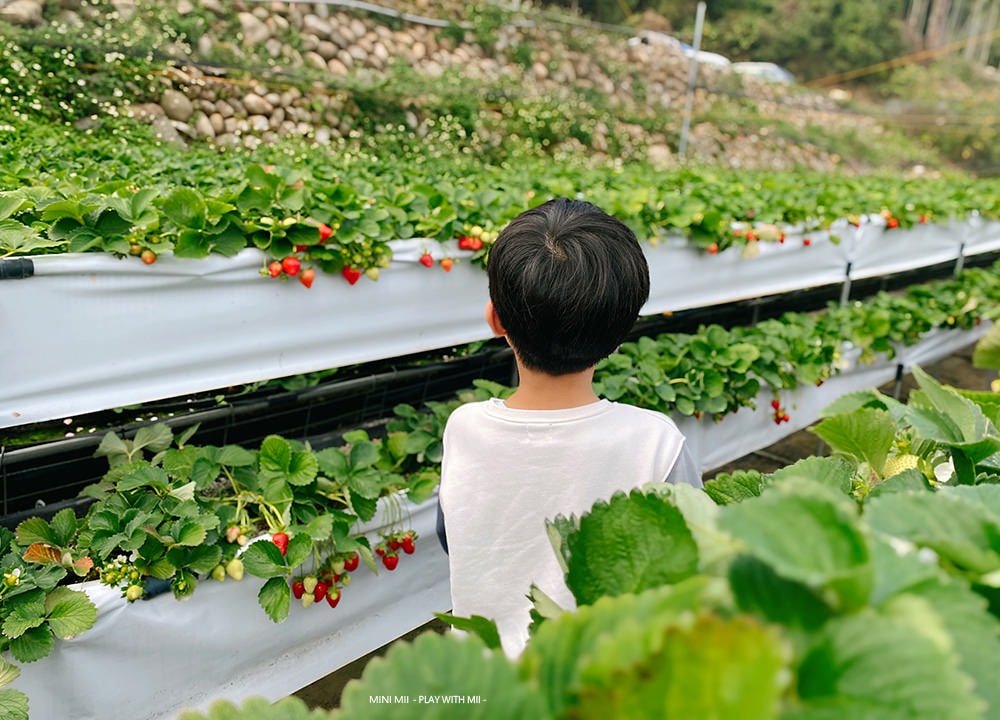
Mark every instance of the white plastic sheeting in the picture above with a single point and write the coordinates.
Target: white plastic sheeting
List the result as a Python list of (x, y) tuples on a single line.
[(150, 660), (90, 332)]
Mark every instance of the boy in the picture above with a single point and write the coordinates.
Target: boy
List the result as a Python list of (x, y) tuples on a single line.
[(566, 283)]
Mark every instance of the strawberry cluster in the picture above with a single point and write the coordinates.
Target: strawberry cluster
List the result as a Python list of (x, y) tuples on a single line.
[(780, 415), (390, 545), (291, 266), (327, 582)]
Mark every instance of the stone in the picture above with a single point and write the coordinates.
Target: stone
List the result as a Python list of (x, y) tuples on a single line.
[(314, 59), (274, 47), (255, 32), (660, 156), (256, 105), (176, 105), (336, 67), (316, 26), (203, 126), (164, 129), (26, 13)]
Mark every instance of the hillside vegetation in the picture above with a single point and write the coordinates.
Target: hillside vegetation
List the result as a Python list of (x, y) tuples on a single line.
[(475, 79)]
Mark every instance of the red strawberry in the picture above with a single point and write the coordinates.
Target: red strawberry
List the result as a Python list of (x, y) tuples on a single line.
[(351, 563), (390, 561), (713, 248), (407, 544), (351, 274), (447, 263), (281, 540), (807, 242), (923, 219), (379, 550), (301, 248), (148, 256), (307, 277), (291, 265), (394, 544), (776, 404), (298, 589), (325, 231), (319, 592), (476, 244), (333, 597), (275, 269), (465, 243), (427, 260), (892, 223)]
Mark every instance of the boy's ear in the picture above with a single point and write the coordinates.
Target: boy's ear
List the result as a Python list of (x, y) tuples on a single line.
[(493, 320)]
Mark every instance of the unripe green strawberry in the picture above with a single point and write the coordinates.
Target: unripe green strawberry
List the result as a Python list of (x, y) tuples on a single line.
[(219, 573), (309, 583), (134, 592), (234, 569), (898, 464), (307, 600)]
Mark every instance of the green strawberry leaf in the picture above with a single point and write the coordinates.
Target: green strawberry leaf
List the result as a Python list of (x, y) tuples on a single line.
[(960, 530), (709, 668), (562, 646), (302, 469), (154, 438), (13, 705), (185, 207), (69, 612), (9, 672), (846, 673), (726, 488), (145, 476), (833, 472), (864, 435), (275, 597), (627, 545), (264, 560), (23, 612), (986, 354), (300, 547), (257, 708), (484, 628), (758, 590), (34, 644), (442, 665), (818, 543)]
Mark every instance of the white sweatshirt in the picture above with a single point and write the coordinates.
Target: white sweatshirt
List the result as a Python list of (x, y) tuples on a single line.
[(506, 471)]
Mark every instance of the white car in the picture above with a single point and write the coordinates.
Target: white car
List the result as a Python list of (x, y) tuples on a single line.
[(658, 39), (764, 70)]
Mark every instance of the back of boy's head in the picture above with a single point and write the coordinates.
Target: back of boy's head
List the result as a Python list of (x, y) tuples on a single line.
[(567, 282)]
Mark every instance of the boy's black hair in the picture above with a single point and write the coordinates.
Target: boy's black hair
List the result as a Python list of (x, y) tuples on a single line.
[(567, 282)]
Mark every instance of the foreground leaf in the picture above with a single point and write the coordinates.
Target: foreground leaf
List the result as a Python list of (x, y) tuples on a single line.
[(632, 543), (432, 673)]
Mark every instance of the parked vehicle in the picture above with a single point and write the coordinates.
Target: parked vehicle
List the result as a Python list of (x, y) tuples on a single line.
[(764, 70)]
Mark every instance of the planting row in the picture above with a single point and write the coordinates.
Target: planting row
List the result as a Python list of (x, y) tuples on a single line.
[(239, 328), (338, 214)]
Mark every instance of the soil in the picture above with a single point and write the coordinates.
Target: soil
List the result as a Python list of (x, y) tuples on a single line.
[(956, 370)]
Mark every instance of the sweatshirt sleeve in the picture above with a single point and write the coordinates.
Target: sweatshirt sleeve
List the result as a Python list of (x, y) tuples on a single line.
[(685, 470)]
